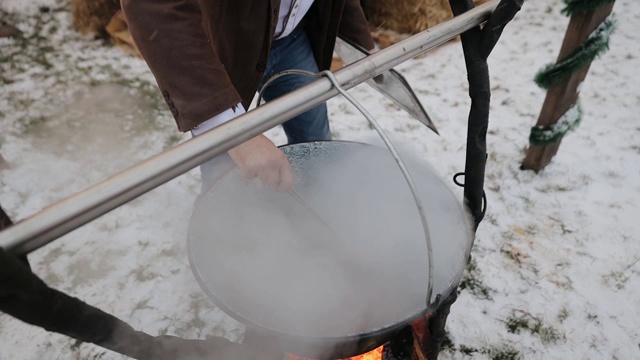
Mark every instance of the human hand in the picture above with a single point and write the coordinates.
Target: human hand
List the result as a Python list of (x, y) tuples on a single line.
[(259, 157)]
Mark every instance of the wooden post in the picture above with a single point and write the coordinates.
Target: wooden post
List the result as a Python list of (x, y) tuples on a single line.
[(564, 95)]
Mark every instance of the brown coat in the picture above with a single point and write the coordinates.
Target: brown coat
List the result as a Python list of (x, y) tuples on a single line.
[(208, 55)]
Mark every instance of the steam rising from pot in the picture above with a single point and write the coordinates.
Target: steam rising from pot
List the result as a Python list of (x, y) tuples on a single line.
[(266, 260)]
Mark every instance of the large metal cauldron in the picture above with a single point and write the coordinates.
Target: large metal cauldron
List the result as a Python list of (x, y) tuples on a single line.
[(328, 291)]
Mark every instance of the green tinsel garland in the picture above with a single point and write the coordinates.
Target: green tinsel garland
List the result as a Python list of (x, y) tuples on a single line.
[(596, 44), (576, 6), (543, 135)]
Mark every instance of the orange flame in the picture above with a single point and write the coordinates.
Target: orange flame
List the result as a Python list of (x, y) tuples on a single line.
[(375, 354)]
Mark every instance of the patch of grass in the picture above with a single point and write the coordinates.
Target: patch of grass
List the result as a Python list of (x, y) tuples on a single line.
[(520, 321), (508, 236), (142, 304), (565, 229), (506, 353), (562, 282), (615, 279), (531, 229), (467, 350), (99, 355), (493, 352), (471, 282), (143, 275), (491, 218), (514, 324), (528, 202), (563, 315), (514, 253), (75, 345), (447, 343), (198, 305)]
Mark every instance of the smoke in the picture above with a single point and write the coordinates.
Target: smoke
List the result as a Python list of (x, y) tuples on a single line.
[(266, 259)]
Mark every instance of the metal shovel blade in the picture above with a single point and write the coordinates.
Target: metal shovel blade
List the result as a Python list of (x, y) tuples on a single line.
[(390, 83)]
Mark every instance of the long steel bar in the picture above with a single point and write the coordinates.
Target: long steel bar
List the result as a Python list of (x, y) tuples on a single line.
[(87, 205)]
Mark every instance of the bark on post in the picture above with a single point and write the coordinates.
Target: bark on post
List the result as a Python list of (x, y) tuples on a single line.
[(563, 95)]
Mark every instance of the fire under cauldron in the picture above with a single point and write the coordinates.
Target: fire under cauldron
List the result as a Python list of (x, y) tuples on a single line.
[(342, 286)]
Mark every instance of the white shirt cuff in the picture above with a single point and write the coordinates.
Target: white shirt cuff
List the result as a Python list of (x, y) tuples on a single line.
[(219, 119)]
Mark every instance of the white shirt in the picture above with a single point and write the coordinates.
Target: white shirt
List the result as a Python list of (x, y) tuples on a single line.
[(290, 14)]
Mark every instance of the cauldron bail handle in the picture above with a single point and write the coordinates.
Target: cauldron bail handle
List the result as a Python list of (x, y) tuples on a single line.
[(392, 150), (403, 169)]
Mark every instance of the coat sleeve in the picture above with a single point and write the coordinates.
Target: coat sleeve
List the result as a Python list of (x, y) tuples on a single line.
[(354, 25), (171, 39)]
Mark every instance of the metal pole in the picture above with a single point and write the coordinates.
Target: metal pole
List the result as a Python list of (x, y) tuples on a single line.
[(79, 209)]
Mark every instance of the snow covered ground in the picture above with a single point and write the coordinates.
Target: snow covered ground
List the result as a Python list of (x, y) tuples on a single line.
[(556, 262)]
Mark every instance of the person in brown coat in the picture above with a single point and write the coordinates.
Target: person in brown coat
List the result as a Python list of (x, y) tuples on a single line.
[(210, 57)]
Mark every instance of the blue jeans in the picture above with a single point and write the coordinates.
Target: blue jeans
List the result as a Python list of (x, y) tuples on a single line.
[(294, 52), (291, 52)]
